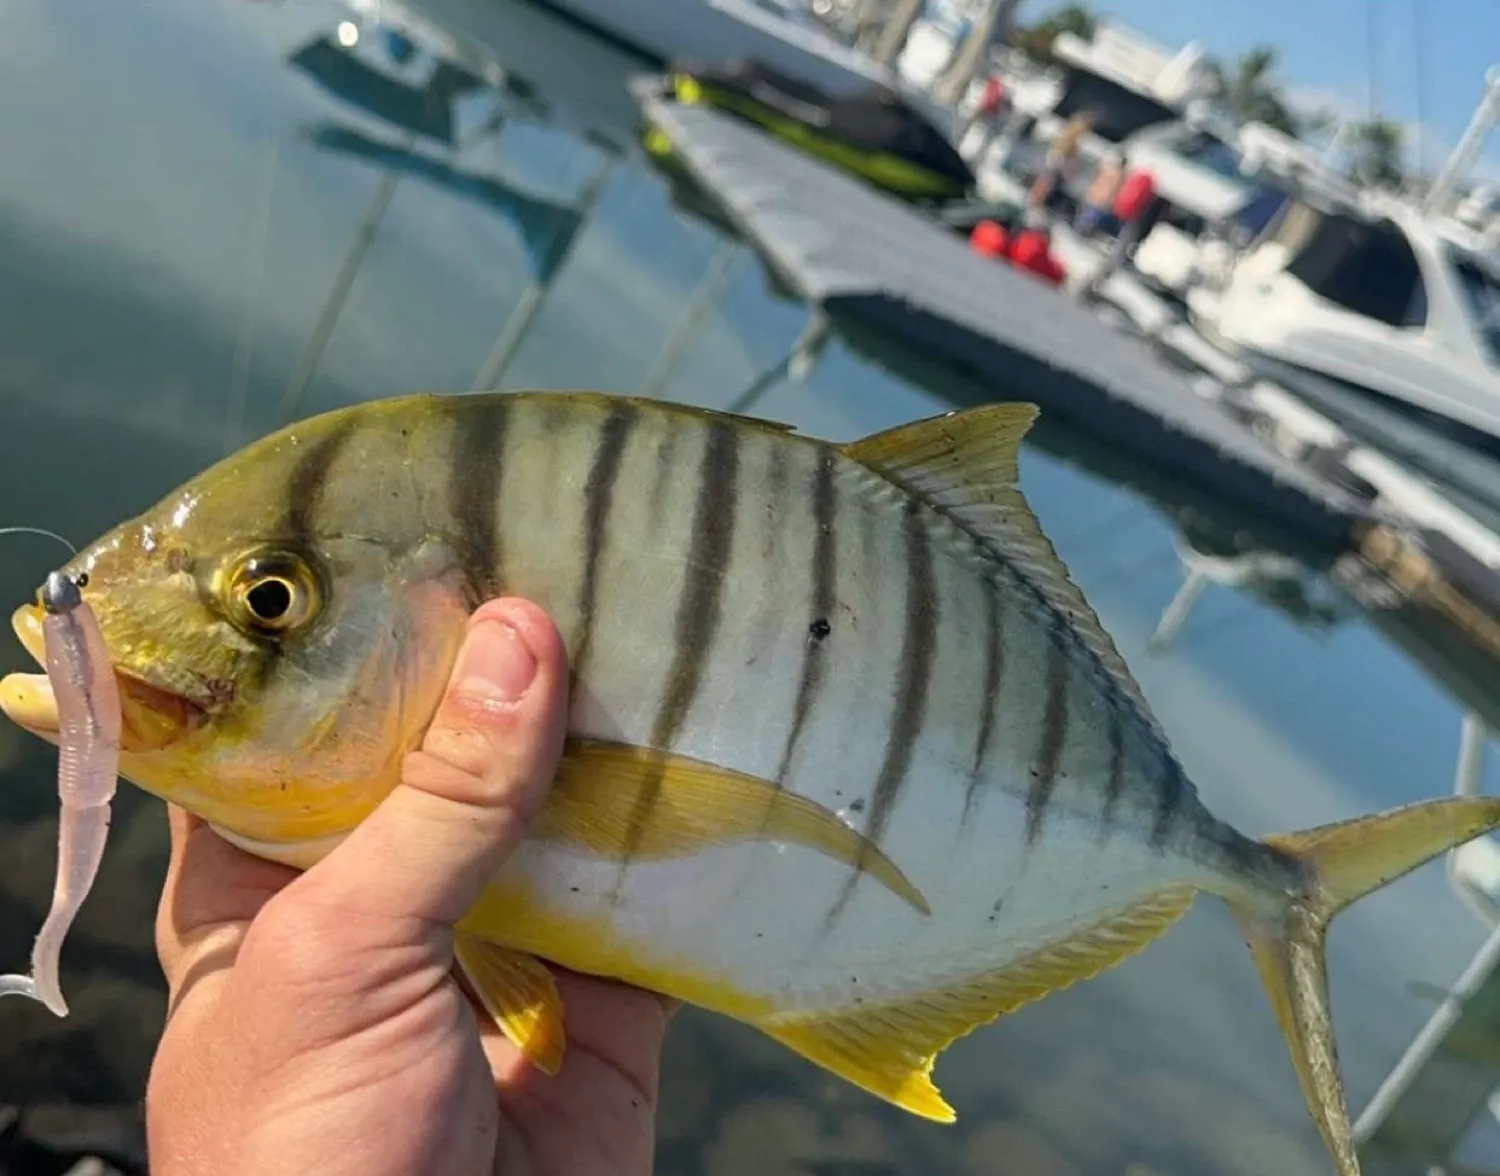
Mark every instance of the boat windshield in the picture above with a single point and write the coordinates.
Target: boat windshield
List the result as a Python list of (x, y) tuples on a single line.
[(1260, 209), (1481, 292), (1213, 153), (1367, 268)]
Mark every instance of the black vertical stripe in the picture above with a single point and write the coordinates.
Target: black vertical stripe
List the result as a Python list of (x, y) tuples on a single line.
[(706, 575), (598, 497), (1054, 734), (309, 481), (1171, 795), (699, 604), (301, 511), (556, 414), (1114, 786), (824, 583), (913, 682), (474, 475), (994, 678)]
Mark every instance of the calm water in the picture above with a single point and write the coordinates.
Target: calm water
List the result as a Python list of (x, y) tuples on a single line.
[(204, 236)]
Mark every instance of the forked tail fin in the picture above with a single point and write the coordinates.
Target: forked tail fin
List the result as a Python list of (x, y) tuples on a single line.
[(1342, 862)]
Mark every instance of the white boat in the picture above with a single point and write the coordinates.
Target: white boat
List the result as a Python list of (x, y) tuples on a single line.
[(1146, 101), (1216, 183), (1127, 82), (930, 46), (1218, 186), (1480, 209), (779, 33), (1201, 187), (1386, 319), (1390, 302)]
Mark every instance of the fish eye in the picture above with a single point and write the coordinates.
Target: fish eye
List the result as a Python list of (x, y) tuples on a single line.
[(269, 600), (273, 592)]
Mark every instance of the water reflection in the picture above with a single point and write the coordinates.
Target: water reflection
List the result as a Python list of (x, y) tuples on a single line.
[(232, 214)]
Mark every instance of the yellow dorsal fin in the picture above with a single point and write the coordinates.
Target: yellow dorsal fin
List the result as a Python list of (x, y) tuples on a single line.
[(619, 800), (889, 1049), (518, 991), (965, 464)]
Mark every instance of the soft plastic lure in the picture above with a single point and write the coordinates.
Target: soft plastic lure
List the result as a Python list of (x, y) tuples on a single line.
[(88, 709)]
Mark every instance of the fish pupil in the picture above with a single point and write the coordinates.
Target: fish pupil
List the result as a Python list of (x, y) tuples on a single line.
[(270, 600)]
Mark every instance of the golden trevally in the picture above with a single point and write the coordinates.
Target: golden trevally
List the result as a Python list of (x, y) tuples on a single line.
[(852, 759)]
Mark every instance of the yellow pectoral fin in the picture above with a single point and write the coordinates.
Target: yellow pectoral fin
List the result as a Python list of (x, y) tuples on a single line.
[(889, 1049), (519, 993), (622, 801)]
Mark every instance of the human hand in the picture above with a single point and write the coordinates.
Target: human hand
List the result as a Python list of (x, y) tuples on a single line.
[(315, 1023)]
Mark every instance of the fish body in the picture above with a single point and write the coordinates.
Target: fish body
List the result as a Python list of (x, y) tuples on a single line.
[(850, 757), (846, 642)]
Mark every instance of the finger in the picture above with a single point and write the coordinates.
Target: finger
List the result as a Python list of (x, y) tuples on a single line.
[(212, 890), (622, 1024), (614, 1024), (609, 1082), (467, 797)]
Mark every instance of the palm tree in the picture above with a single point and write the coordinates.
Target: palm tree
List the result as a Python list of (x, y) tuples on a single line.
[(1376, 151), (1036, 41), (1249, 92)]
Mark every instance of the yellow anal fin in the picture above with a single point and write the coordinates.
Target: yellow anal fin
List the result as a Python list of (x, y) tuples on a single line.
[(889, 1049), (518, 991), (622, 801)]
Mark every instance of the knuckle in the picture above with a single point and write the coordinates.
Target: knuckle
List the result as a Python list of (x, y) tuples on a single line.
[(447, 781), (456, 756)]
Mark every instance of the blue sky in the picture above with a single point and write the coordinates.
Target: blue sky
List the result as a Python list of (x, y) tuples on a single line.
[(1325, 50)]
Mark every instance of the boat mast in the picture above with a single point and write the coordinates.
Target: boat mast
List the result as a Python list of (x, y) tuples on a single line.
[(898, 26), (1486, 114)]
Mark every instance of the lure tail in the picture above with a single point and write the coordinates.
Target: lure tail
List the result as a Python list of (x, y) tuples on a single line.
[(1342, 862)]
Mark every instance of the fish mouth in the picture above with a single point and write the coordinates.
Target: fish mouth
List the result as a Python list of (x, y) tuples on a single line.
[(151, 718)]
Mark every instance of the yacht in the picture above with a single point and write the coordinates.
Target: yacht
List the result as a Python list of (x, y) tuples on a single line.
[(1125, 81), (1219, 186), (1148, 105), (1385, 318)]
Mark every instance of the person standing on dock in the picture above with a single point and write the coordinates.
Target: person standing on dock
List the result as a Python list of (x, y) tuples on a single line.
[(1095, 213), (1062, 160), (991, 114), (1132, 204)]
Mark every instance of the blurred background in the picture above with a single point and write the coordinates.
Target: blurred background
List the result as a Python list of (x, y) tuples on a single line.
[(1243, 255)]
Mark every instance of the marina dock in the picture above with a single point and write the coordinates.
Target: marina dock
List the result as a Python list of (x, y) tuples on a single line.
[(893, 280), (867, 260)]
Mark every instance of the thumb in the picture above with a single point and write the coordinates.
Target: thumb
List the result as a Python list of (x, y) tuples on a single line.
[(467, 797)]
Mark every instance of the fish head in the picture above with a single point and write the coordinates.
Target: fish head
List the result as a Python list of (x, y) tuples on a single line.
[(281, 628)]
